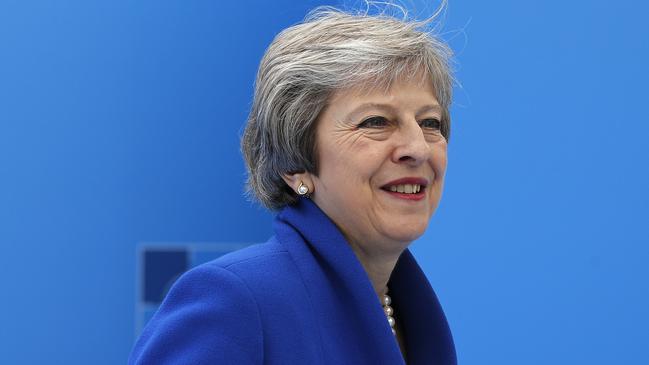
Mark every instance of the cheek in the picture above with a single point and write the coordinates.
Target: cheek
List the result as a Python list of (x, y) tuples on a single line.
[(340, 174), (439, 160), (355, 163), (441, 165)]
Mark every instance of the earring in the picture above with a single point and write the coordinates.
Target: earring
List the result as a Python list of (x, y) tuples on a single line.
[(303, 190)]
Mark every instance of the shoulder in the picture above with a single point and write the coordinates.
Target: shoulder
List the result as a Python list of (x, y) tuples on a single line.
[(228, 274), (258, 253), (239, 269), (256, 264), (208, 316), (212, 313)]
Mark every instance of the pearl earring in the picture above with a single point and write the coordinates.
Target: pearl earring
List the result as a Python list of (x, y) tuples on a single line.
[(302, 189)]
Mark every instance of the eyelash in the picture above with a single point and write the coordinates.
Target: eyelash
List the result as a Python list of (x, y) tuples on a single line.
[(371, 123), (437, 125)]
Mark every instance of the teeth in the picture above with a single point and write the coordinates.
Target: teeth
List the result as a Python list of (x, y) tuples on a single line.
[(406, 188)]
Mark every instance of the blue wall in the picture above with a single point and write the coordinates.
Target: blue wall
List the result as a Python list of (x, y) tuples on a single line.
[(119, 124), (540, 248)]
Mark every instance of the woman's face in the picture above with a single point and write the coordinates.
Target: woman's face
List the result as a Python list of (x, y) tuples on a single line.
[(382, 161)]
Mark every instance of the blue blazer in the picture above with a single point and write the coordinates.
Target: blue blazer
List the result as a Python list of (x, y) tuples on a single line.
[(300, 298)]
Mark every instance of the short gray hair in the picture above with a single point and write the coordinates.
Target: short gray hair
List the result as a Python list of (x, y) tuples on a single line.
[(305, 64)]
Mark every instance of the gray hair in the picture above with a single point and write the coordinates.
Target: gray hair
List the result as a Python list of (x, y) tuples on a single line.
[(305, 64)]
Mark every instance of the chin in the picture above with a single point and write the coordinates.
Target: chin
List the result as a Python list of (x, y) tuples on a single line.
[(407, 233)]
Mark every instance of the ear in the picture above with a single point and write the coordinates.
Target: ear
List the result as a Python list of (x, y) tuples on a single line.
[(294, 181)]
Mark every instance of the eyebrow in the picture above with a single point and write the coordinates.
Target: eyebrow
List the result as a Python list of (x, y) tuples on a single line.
[(387, 107)]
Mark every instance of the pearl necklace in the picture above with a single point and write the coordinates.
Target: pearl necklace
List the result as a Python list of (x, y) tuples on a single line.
[(389, 312)]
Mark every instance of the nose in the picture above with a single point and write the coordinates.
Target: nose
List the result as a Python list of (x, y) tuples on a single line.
[(411, 145)]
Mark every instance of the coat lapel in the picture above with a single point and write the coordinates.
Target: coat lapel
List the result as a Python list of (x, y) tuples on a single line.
[(428, 337), (350, 316)]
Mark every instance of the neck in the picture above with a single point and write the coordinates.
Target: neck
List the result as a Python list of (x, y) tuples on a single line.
[(378, 268)]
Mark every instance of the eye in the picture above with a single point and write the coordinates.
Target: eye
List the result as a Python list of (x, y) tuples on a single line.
[(374, 122), (431, 123)]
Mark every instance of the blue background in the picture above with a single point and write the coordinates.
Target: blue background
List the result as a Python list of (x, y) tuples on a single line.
[(119, 124)]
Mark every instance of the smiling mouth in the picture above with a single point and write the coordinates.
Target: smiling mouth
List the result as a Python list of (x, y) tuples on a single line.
[(414, 192), (405, 188)]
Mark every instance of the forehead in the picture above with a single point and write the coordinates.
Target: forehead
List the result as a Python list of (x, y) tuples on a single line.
[(402, 92)]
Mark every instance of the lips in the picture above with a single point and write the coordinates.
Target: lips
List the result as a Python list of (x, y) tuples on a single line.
[(412, 188), (406, 181)]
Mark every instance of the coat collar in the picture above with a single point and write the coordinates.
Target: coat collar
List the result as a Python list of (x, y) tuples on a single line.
[(330, 269)]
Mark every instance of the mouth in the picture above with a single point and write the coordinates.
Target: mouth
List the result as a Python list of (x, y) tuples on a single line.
[(407, 188)]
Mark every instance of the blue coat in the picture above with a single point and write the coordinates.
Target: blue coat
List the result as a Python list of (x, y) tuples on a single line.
[(300, 298)]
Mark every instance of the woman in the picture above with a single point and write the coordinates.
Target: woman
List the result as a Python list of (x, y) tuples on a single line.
[(347, 138)]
